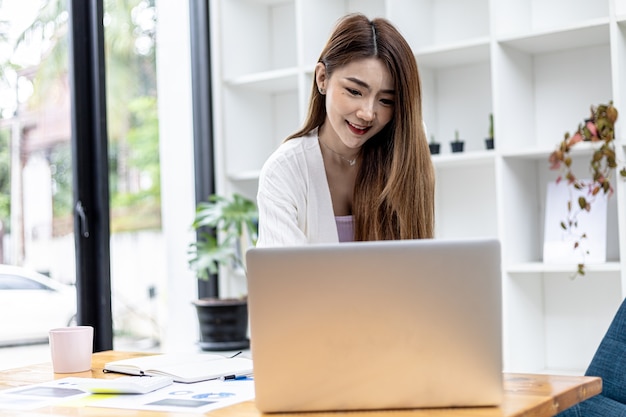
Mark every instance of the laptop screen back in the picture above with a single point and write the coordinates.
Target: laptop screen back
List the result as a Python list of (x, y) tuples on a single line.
[(376, 325)]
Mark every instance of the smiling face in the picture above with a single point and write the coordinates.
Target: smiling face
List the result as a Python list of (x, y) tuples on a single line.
[(360, 100)]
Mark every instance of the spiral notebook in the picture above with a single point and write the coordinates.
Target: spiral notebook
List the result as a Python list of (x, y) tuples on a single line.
[(183, 367)]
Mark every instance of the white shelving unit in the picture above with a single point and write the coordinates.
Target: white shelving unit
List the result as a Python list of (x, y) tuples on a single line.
[(536, 65)]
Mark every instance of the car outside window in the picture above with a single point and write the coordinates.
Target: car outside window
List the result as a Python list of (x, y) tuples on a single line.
[(12, 282)]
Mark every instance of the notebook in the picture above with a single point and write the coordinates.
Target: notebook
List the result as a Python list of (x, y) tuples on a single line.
[(183, 367), (376, 325)]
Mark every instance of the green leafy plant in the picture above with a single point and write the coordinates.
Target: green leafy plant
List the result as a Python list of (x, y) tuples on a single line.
[(235, 220), (598, 128)]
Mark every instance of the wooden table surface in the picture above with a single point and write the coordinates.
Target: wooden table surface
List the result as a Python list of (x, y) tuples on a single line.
[(526, 395)]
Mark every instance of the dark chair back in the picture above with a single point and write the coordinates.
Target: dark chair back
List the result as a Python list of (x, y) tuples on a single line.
[(609, 361)]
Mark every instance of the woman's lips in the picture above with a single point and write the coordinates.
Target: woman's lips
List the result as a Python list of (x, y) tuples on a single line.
[(358, 130)]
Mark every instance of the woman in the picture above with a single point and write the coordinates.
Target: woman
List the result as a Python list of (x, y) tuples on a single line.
[(359, 169)]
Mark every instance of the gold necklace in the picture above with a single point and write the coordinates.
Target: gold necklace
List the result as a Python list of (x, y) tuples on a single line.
[(351, 162)]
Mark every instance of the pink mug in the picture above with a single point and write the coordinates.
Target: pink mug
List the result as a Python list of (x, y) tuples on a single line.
[(71, 349)]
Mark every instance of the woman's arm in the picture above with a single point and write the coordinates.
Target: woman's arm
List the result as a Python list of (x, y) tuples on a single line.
[(281, 202)]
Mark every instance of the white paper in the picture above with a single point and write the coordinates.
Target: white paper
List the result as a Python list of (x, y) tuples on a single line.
[(558, 247), (199, 397), (30, 397)]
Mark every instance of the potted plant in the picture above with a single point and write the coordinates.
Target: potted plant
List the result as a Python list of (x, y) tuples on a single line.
[(598, 128), (489, 139), (223, 321), (457, 144), (433, 145)]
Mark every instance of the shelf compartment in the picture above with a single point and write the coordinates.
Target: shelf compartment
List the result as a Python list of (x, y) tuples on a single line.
[(273, 45), (566, 318), (318, 19), (526, 186), (458, 98), (461, 53), (524, 16), (542, 96), (436, 23), (256, 122), (573, 328), (471, 211), (595, 32)]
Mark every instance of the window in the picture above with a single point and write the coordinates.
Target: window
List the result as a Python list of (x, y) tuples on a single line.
[(142, 260), (36, 185)]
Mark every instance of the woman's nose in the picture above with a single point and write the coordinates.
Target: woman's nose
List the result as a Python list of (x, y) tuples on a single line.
[(366, 111)]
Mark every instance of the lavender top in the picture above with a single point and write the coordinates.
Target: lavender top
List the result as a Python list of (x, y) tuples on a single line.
[(345, 228)]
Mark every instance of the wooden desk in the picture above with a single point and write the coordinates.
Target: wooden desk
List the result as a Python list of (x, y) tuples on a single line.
[(525, 396)]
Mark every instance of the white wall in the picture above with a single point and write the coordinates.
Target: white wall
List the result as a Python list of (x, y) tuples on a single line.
[(177, 176)]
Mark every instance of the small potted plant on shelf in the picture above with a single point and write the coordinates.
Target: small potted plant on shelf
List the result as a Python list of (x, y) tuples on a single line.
[(599, 129), (457, 143), (433, 145), (223, 321), (489, 139)]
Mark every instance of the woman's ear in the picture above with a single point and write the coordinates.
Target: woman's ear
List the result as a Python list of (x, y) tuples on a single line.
[(321, 77)]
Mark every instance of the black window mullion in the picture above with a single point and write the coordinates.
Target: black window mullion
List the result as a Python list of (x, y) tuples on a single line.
[(90, 169), (202, 114)]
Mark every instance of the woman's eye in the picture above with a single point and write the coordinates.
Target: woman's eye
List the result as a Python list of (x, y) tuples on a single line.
[(387, 102), (353, 91)]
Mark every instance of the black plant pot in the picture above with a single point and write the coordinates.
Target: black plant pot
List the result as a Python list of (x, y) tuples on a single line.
[(223, 324), (489, 143), (434, 148), (457, 146)]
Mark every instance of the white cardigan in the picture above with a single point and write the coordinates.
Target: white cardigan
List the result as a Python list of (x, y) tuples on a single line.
[(295, 207)]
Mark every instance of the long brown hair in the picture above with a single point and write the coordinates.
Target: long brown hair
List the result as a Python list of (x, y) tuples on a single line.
[(394, 191)]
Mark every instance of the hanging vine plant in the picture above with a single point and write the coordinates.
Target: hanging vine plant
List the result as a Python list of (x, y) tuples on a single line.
[(597, 128)]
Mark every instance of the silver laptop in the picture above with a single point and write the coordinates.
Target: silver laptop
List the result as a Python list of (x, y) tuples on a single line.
[(376, 325)]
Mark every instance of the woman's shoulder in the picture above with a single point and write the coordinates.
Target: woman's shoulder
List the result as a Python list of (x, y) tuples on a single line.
[(291, 158), (301, 141), (294, 148)]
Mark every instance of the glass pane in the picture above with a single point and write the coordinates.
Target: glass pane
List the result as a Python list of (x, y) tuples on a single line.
[(137, 247), (36, 222)]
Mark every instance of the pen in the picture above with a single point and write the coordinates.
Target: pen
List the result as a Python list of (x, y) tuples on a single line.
[(233, 377)]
